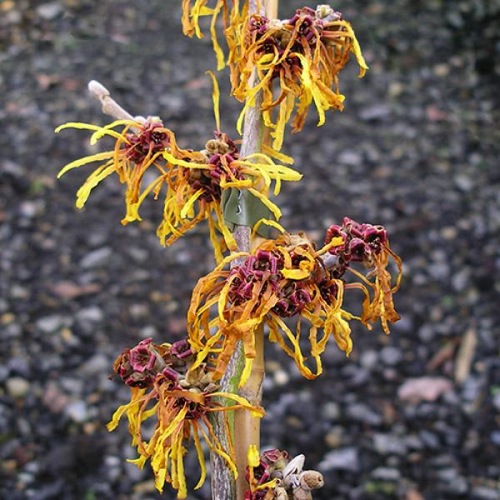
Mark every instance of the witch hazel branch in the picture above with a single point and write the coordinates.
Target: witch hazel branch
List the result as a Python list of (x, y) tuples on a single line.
[(203, 393)]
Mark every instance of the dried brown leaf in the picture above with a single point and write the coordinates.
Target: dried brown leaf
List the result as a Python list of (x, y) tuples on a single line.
[(70, 290)]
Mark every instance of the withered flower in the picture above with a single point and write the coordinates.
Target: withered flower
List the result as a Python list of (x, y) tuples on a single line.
[(196, 188), (138, 149), (288, 278)]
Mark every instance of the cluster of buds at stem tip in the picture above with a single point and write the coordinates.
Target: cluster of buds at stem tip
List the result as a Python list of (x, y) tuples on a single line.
[(221, 153), (275, 476)]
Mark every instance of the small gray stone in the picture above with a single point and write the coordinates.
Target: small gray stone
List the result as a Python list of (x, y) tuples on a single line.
[(4, 373), (77, 411), (139, 311), (369, 359), (281, 377), (495, 438), (25, 478), (72, 385), (148, 331), (49, 11), (453, 482), (29, 209), (52, 323), (98, 363), (343, 459), (363, 413), (483, 493), (375, 112), (113, 465), (461, 279), (387, 444), (351, 158), (96, 258), (138, 255), (426, 333), (19, 366), (496, 401), (430, 440), (12, 330), (464, 182), (391, 355), (17, 387), (471, 390), (330, 411), (386, 474), (91, 314)]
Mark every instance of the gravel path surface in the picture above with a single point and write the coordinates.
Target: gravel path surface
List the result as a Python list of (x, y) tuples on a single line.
[(414, 415)]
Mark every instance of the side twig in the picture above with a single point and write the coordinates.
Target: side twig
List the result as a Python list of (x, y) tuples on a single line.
[(109, 106)]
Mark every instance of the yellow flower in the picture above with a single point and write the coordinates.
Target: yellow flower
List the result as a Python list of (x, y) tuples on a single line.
[(138, 148), (304, 54), (260, 471), (381, 304), (196, 188), (281, 279), (192, 10), (193, 181), (179, 400)]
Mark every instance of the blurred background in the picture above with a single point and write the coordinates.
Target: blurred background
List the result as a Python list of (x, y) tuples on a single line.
[(414, 415)]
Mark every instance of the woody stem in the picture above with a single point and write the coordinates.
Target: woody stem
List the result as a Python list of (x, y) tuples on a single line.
[(246, 428)]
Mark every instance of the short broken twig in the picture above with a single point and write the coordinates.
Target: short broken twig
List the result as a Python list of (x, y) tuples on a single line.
[(109, 105)]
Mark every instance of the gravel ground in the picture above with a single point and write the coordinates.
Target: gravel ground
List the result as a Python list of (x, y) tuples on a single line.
[(414, 415)]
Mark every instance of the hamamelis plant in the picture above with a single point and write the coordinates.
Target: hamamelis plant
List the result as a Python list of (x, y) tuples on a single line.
[(203, 393)]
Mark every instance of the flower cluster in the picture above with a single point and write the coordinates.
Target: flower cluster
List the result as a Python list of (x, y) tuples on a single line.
[(282, 278), (274, 475), (165, 387), (368, 245), (304, 54), (147, 159), (287, 278)]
